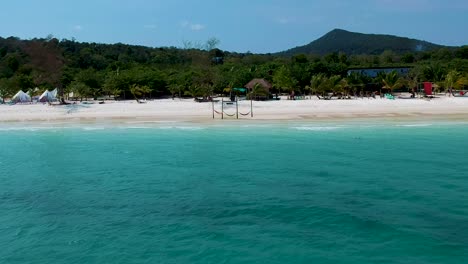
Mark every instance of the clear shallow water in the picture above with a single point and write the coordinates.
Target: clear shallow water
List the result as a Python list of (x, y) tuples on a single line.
[(252, 194)]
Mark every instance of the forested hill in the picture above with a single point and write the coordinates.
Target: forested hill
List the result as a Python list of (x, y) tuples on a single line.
[(339, 40)]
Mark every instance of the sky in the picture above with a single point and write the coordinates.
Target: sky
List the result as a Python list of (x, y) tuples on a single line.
[(258, 26)]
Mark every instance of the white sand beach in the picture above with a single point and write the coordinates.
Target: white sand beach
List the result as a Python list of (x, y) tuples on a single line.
[(190, 111)]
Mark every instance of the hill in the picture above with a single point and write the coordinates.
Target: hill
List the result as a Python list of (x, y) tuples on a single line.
[(339, 40)]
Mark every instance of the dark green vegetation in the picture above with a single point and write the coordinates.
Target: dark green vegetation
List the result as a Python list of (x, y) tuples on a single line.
[(93, 70)]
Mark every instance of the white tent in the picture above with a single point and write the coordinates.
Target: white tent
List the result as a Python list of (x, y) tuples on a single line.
[(21, 97), (48, 96)]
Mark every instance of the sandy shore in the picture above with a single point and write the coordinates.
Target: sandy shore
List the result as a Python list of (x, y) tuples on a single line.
[(186, 110)]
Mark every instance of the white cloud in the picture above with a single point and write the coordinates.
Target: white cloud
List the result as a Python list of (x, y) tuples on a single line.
[(197, 27), (78, 28), (192, 26)]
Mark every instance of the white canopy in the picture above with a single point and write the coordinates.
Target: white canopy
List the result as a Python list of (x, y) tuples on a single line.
[(48, 96), (21, 97)]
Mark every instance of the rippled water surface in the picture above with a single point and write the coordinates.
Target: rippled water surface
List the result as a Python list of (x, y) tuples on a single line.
[(237, 194)]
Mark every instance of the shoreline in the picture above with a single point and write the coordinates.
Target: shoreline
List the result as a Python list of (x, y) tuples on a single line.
[(188, 111), (328, 125)]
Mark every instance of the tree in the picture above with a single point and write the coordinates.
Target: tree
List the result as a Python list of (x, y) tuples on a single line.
[(282, 80), (112, 86), (257, 91), (387, 56), (413, 79), (462, 53), (80, 90), (392, 81), (462, 82), (211, 44), (193, 91), (316, 84), (450, 79), (455, 80), (175, 88), (4, 89), (408, 58), (434, 73), (357, 81), (138, 91), (92, 79), (334, 84), (206, 91)]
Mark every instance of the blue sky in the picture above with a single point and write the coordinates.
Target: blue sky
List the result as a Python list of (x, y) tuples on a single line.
[(256, 25)]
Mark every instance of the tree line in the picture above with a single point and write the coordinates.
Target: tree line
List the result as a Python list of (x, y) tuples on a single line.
[(92, 70)]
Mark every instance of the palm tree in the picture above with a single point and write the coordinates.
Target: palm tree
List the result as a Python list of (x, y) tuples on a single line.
[(174, 88), (193, 91), (80, 89), (336, 84), (207, 91), (4, 91), (392, 81), (434, 73), (455, 80), (345, 87), (229, 87), (355, 81), (257, 91), (332, 84), (138, 91), (316, 84), (413, 79), (462, 82), (450, 80)]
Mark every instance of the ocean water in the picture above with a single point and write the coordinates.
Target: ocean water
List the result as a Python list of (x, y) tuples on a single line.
[(245, 193)]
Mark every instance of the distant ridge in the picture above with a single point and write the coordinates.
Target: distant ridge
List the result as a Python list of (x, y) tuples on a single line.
[(339, 40)]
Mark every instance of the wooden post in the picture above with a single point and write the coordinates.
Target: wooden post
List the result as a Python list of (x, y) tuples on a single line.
[(222, 108), (251, 107), (212, 108), (237, 108)]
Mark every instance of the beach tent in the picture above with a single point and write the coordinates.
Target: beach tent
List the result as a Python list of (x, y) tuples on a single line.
[(48, 96), (21, 97)]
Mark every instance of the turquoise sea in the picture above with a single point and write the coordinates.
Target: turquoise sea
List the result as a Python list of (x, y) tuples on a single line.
[(234, 193)]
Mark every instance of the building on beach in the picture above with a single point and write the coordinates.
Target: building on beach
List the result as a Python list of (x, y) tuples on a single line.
[(373, 72), (260, 88)]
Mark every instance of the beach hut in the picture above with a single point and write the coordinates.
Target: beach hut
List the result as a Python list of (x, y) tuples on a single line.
[(428, 88), (48, 96), (21, 97), (260, 89)]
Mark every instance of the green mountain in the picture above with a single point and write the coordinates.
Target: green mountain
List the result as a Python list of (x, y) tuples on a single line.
[(339, 40)]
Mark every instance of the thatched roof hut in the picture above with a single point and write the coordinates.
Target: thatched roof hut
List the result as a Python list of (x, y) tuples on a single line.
[(261, 82), (259, 88)]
